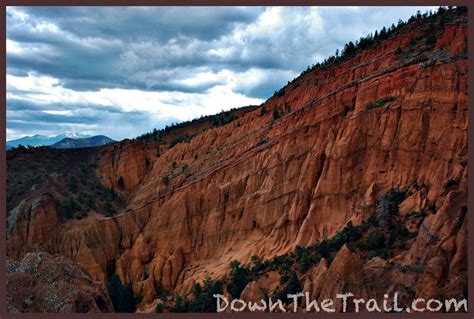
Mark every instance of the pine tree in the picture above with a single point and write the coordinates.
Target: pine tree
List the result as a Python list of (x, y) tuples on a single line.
[(238, 279), (276, 114), (114, 286), (293, 286), (127, 299)]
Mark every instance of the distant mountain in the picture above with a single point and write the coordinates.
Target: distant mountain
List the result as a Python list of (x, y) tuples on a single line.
[(43, 140), (97, 140)]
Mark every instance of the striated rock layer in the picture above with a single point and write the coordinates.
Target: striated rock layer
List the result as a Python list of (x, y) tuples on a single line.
[(261, 186)]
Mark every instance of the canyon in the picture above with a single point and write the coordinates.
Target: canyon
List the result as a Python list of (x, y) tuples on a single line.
[(292, 172)]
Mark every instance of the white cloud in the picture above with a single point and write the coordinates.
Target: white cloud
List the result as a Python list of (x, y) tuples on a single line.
[(13, 47), (180, 105)]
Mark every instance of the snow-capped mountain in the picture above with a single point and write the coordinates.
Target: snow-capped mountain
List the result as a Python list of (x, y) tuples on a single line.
[(93, 141), (43, 140)]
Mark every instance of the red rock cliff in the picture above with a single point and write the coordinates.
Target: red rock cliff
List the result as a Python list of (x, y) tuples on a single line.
[(259, 186)]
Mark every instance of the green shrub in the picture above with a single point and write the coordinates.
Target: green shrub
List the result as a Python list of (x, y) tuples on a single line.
[(121, 296), (109, 210), (239, 278), (179, 305), (432, 207), (292, 287), (159, 308), (257, 265), (28, 302), (70, 207), (180, 139), (280, 92), (264, 141), (72, 184), (204, 300), (371, 254), (276, 114), (304, 262), (431, 39), (375, 240), (284, 278), (379, 102)]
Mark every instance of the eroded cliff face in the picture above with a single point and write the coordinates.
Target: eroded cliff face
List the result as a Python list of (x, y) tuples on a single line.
[(260, 186)]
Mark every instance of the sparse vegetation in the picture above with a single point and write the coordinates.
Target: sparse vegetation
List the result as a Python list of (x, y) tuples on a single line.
[(28, 302), (181, 139), (217, 120), (280, 92), (367, 239), (379, 102), (372, 40), (264, 141), (72, 173)]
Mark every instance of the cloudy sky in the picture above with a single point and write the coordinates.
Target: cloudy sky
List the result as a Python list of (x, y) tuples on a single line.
[(124, 71)]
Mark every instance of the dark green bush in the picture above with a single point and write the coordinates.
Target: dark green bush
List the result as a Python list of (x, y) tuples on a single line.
[(121, 296), (72, 184), (70, 207), (239, 278), (379, 102), (431, 39), (257, 265), (264, 141), (109, 210), (375, 240), (159, 308), (276, 114), (179, 305), (371, 254), (180, 139)]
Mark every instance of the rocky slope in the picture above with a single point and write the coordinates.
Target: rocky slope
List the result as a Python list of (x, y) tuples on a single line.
[(54, 284), (393, 116)]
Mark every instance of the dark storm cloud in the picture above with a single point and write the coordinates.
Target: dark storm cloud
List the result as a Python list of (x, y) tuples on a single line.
[(88, 48), (144, 23)]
